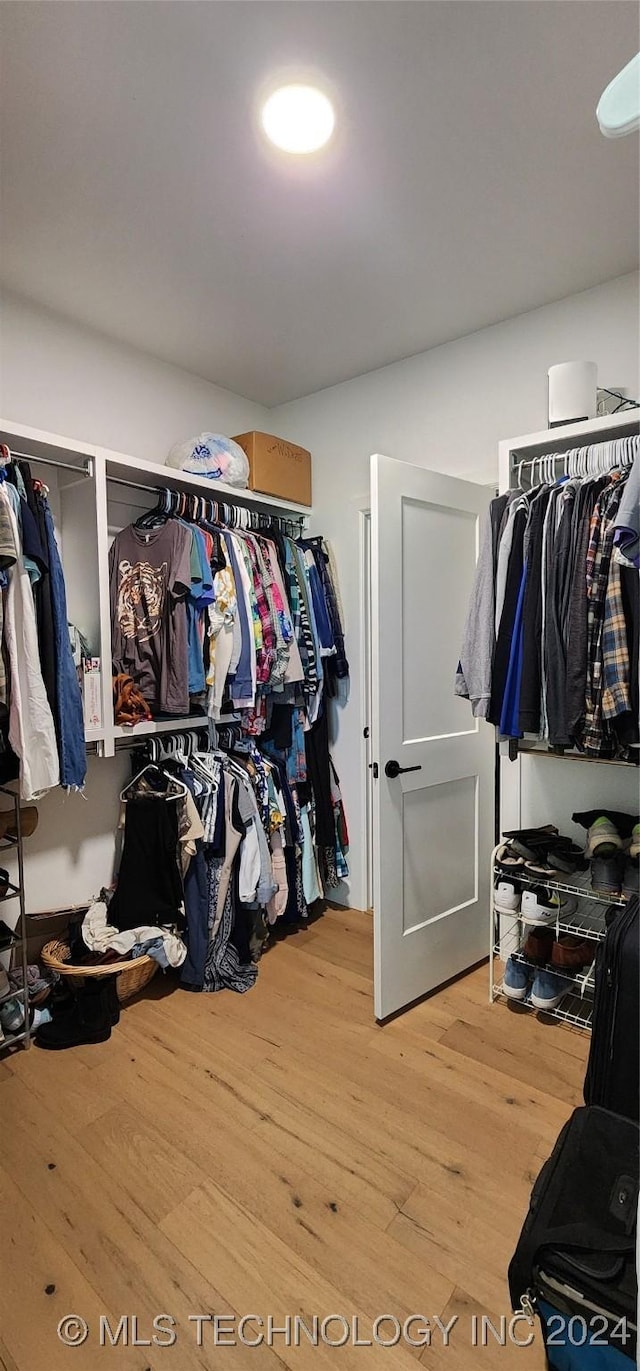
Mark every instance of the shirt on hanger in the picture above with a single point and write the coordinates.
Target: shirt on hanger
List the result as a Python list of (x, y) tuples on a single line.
[(150, 575)]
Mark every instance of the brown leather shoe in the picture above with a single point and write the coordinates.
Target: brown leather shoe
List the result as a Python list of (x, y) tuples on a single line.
[(538, 946), (572, 954)]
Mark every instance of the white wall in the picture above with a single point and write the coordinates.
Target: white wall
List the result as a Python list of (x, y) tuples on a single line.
[(69, 380), (72, 381), (446, 410)]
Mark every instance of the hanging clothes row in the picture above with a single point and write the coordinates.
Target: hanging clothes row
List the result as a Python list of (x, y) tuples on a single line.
[(552, 635), (203, 614), (218, 848), (41, 716)]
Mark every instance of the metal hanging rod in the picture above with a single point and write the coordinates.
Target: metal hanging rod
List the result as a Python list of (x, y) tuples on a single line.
[(215, 497), (84, 469), (567, 453)]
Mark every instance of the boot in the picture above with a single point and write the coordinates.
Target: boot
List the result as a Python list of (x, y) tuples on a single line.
[(88, 1022)]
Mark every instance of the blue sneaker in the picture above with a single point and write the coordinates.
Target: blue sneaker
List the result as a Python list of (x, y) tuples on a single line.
[(548, 990), (516, 980)]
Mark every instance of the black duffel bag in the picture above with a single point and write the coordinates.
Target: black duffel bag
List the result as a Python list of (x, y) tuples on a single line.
[(575, 1261)]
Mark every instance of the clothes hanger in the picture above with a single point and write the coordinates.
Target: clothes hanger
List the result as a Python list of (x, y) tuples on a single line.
[(180, 790)]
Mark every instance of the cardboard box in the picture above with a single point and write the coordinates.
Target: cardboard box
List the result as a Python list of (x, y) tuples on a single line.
[(277, 467)]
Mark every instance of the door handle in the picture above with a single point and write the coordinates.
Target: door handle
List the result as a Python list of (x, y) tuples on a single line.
[(393, 769)]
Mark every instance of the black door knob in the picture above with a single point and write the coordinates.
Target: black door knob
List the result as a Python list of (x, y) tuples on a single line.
[(393, 769)]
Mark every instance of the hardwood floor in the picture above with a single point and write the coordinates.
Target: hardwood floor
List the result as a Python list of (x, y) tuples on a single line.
[(279, 1154)]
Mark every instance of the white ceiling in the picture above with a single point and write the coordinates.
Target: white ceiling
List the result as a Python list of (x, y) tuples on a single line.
[(468, 181)]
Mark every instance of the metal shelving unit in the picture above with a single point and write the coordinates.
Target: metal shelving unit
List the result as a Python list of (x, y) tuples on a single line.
[(587, 920), (19, 938), (574, 1009)]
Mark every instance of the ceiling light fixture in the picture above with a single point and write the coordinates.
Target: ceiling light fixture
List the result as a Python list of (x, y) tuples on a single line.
[(618, 109), (298, 119)]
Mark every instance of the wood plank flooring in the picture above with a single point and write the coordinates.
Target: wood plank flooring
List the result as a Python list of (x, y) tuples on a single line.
[(279, 1154)]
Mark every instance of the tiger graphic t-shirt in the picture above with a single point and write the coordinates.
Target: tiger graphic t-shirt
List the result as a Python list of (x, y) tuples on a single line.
[(149, 576)]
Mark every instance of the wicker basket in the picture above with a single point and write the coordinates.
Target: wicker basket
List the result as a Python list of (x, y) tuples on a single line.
[(132, 976)]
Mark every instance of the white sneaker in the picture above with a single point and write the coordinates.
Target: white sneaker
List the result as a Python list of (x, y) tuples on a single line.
[(506, 897), (540, 906)]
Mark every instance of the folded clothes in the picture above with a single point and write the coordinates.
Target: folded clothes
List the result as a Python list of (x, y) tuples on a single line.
[(99, 936)]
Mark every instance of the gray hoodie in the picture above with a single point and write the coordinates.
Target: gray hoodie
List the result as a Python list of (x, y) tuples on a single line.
[(473, 677)]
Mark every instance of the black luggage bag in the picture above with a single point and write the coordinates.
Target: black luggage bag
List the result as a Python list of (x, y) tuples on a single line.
[(575, 1260), (613, 1069)]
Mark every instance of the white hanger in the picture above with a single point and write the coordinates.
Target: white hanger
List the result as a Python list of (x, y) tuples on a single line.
[(181, 789)]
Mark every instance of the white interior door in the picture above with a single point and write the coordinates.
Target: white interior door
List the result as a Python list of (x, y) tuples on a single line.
[(434, 821)]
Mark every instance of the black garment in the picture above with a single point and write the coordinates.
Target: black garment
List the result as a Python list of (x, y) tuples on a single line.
[(503, 641), (319, 774), (531, 683), (149, 889), (558, 579), (279, 730), (497, 510)]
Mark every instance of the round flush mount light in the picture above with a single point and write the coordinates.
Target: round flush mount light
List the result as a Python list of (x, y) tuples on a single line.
[(618, 109), (298, 119)]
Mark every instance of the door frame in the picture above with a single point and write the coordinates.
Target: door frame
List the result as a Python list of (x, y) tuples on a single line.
[(366, 702)]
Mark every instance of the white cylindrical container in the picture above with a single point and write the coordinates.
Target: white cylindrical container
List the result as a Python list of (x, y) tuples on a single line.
[(573, 392)]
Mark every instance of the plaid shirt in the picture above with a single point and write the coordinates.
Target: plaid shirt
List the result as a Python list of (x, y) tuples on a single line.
[(597, 739), (616, 669)]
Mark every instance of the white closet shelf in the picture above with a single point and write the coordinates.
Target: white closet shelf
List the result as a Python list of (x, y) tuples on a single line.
[(577, 885), (152, 474), (52, 447), (151, 726)]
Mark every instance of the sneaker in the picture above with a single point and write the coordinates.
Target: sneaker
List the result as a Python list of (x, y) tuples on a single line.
[(630, 879), (603, 839), (542, 906), (516, 980), (634, 845), (548, 990), (12, 1016), (507, 861), (538, 946), (606, 875), (506, 897)]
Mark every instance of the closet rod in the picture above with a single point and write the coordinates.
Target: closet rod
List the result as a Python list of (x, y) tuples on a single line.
[(154, 490), (566, 453), (83, 470)]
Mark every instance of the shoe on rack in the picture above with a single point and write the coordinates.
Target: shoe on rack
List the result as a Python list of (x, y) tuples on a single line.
[(542, 906), (12, 1015), (630, 879), (548, 990), (572, 954), (606, 875), (89, 1021), (540, 871), (28, 822), (508, 862), (538, 946), (634, 842), (516, 980), (5, 984), (506, 897), (603, 839)]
